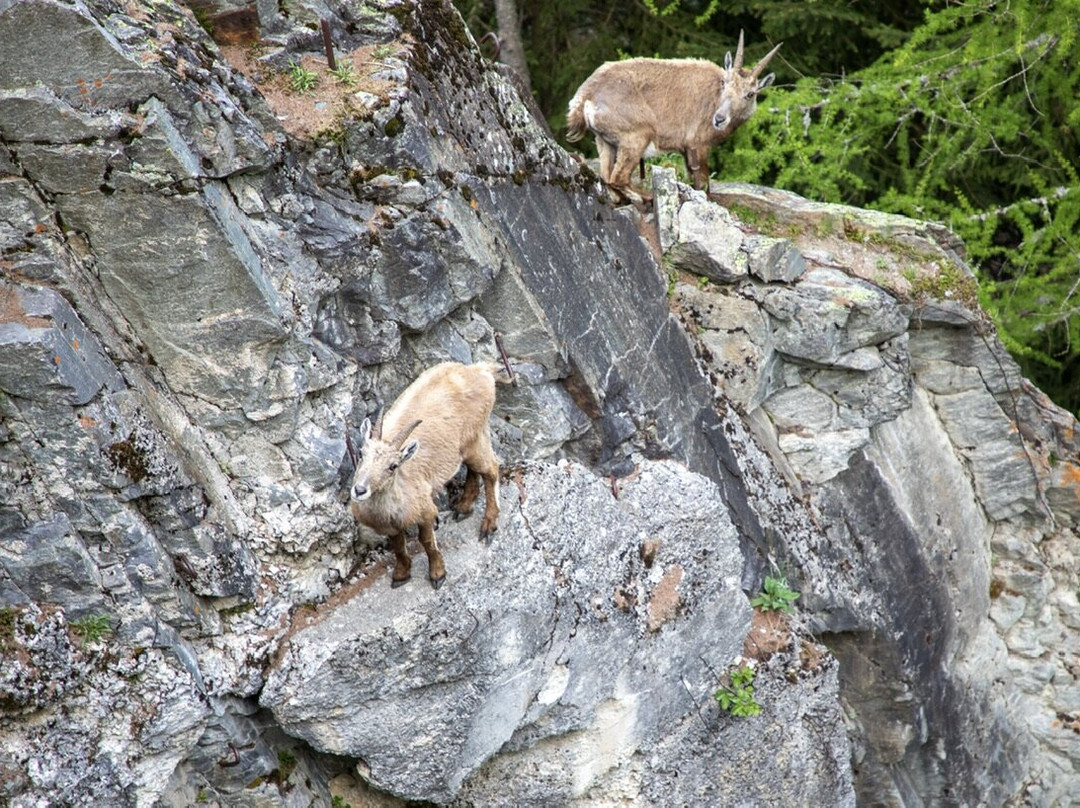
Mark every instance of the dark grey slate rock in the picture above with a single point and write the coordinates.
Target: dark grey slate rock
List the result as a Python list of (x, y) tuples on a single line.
[(45, 349)]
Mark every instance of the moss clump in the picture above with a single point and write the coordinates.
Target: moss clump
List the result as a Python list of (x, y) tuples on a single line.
[(946, 283), (394, 126), (126, 456), (8, 618)]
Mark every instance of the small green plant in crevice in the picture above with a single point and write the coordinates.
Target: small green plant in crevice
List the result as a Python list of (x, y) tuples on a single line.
[(301, 80), (344, 74), (92, 627), (775, 596), (286, 763), (339, 802), (202, 17), (382, 52), (737, 697)]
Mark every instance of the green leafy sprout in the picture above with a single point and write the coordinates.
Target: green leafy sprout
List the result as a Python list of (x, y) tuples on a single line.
[(738, 697), (92, 628), (301, 80), (775, 596)]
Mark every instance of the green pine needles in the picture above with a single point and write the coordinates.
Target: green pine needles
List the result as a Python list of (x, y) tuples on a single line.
[(972, 122)]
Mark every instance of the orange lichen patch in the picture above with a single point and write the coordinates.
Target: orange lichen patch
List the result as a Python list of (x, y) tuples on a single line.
[(665, 600), (306, 114), (769, 633), (1069, 475), (12, 311), (86, 422)]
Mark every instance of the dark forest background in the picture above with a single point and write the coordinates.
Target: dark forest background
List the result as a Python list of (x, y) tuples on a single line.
[(966, 113)]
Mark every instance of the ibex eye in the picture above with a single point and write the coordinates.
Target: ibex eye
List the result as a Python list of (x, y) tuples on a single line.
[(393, 467)]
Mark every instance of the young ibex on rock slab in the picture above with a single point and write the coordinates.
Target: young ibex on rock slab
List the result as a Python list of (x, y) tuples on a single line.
[(642, 107), (440, 421)]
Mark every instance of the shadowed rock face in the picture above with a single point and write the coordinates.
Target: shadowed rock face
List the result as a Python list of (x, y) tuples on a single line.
[(202, 297)]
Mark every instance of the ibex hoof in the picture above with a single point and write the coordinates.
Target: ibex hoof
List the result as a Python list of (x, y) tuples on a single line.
[(396, 582), (459, 515), (436, 583), (485, 535)]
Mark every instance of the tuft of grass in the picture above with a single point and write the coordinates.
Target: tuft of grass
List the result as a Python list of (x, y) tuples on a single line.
[(775, 596), (286, 763), (301, 80), (344, 74), (92, 627)]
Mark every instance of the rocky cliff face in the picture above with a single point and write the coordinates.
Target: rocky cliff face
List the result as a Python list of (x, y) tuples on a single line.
[(210, 278)]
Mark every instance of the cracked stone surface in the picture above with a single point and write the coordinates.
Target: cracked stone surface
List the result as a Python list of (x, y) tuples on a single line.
[(206, 284)]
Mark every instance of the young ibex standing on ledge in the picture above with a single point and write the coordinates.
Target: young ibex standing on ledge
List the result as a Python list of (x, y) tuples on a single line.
[(445, 413), (642, 107)]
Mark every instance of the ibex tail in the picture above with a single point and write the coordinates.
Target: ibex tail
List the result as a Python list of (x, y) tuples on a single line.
[(575, 120)]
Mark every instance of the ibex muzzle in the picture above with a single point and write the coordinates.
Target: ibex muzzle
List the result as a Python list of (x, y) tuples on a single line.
[(642, 107)]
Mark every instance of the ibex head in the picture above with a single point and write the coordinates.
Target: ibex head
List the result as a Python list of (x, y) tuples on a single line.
[(741, 87), (379, 460)]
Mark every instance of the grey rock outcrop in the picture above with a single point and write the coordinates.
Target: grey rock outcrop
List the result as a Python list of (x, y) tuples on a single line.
[(877, 385), (560, 627), (208, 280)]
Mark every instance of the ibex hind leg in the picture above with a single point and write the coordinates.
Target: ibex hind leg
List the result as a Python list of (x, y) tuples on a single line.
[(467, 499), (606, 151), (484, 463), (628, 158)]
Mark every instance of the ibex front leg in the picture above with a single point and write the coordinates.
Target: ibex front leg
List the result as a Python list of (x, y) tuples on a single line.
[(436, 567), (402, 562)]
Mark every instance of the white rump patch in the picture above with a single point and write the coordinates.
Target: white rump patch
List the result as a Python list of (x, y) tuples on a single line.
[(590, 110)]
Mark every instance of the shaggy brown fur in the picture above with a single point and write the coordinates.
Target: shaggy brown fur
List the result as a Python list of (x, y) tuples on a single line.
[(642, 107), (438, 422)]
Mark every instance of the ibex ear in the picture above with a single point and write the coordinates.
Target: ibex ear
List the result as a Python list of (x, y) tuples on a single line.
[(727, 60), (409, 450), (365, 430), (765, 82)]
